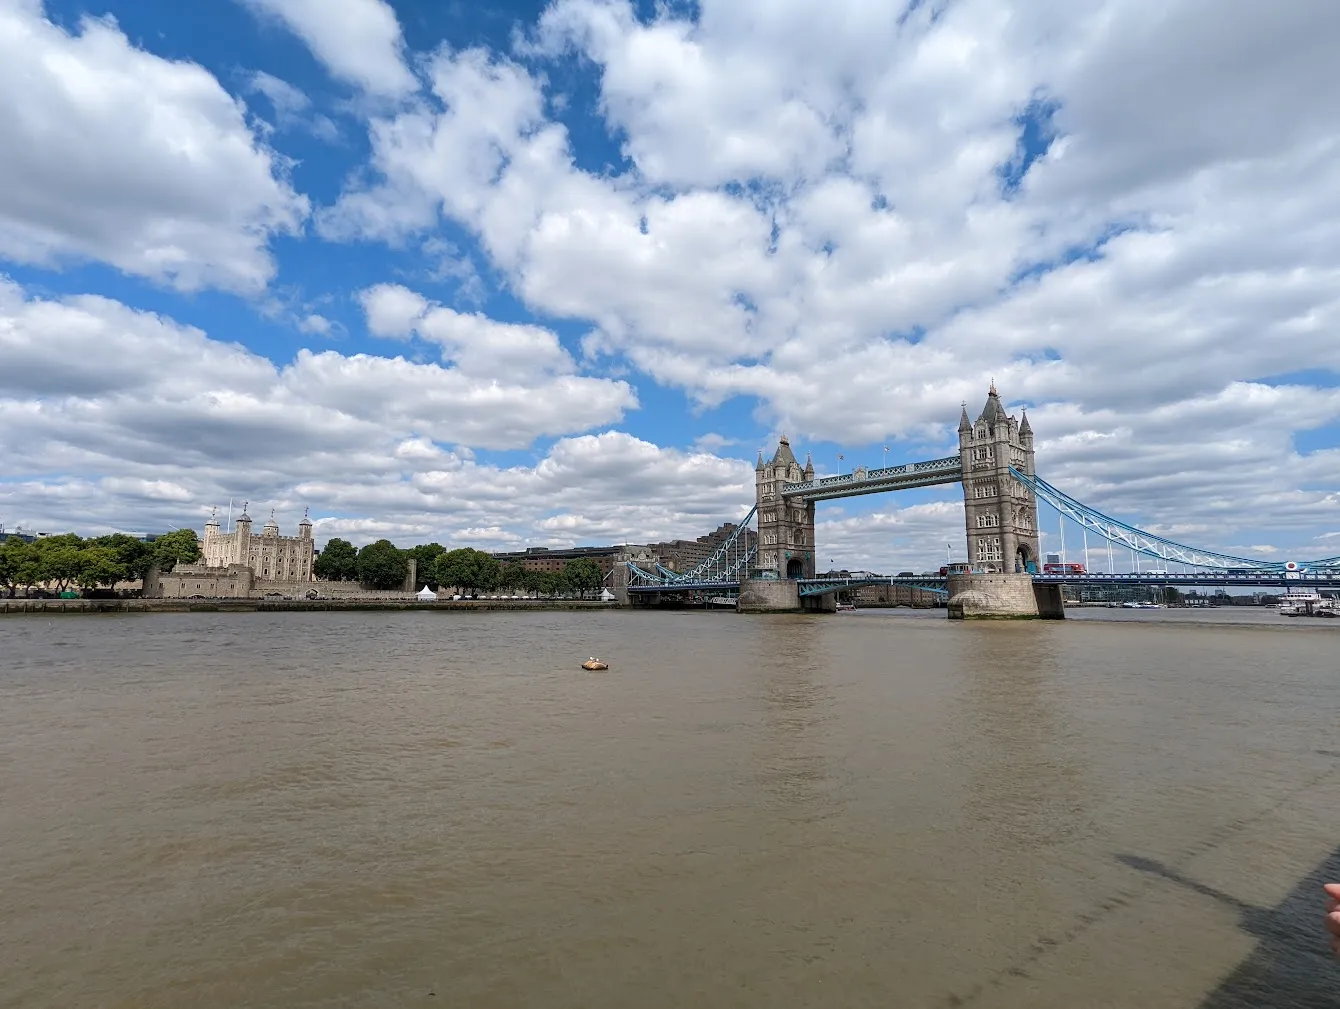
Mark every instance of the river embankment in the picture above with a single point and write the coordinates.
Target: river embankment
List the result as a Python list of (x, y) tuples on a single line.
[(85, 606)]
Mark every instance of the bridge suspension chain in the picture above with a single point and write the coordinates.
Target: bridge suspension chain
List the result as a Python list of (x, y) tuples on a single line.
[(1147, 543), (723, 566)]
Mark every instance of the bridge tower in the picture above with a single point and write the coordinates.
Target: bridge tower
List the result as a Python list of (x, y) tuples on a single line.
[(1001, 513), (785, 526)]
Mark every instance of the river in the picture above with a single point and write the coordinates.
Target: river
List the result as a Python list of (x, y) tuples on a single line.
[(876, 809)]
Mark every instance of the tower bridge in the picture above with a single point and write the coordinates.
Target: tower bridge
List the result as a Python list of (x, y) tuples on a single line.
[(995, 466)]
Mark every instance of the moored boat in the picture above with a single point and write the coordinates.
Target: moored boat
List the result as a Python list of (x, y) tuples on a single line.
[(1300, 602)]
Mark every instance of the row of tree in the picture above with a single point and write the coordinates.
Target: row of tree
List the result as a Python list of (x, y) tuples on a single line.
[(381, 565), (68, 562)]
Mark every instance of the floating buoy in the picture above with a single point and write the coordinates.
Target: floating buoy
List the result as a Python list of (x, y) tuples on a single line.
[(594, 663)]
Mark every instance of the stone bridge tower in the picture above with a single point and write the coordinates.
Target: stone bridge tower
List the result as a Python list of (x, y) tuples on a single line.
[(785, 526), (1001, 513)]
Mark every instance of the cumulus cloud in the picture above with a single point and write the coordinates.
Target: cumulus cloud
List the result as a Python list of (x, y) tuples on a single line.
[(359, 41), (114, 154), (851, 218), (143, 407), (476, 344), (856, 217), (292, 108)]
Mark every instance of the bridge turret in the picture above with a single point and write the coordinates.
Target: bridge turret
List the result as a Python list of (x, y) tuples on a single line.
[(1000, 513), (785, 524)]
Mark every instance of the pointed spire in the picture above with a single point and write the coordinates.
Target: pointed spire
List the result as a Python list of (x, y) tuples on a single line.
[(759, 464), (964, 424), (993, 412), (1024, 426)]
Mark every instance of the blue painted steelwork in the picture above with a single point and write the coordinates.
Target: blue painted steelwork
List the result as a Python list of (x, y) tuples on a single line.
[(877, 481), (1146, 543), (823, 586), (1260, 578), (720, 570)]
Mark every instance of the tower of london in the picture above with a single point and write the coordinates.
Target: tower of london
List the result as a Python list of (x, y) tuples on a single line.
[(271, 557)]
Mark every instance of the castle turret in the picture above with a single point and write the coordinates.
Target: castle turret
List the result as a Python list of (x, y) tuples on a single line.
[(212, 545), (242, 538), (305, 526)]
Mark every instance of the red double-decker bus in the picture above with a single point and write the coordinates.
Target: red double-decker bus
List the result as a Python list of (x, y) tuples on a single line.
[(1063, 569)]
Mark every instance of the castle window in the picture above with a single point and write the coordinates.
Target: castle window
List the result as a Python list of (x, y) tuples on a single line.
[(987, 521)]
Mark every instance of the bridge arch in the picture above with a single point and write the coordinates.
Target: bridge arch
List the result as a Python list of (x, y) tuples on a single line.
[(795, 568)]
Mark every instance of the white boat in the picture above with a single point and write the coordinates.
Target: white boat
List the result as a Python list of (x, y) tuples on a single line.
[(1142, 605), (842, 607), (1298, 602)]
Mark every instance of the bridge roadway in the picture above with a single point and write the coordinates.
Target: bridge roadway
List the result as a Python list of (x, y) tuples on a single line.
[(933, 583)]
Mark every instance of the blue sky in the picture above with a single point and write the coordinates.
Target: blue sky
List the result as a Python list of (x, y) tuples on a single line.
[(545, 273)]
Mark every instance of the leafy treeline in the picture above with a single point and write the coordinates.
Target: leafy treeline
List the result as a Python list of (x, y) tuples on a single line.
[(70, 562), (381, 565)]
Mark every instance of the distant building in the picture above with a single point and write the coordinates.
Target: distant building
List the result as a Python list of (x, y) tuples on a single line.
[(272, 557), (554, 560), (685, 555), (241, 565)]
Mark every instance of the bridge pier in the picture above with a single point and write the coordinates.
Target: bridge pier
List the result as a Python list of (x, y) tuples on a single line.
[(769, 595), (826, 603), (1003, 597)]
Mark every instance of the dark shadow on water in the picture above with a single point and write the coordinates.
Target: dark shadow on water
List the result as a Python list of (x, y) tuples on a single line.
[(1292, 966)]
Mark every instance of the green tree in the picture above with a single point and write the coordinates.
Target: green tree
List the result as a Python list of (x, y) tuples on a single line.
[(425, 562), (99, 565), (177, 547), (468, 569), (582, 576), (513, 576), (546, 583), (59, 560), (17, 559), (133, 555), (337, 561), (382, 566)]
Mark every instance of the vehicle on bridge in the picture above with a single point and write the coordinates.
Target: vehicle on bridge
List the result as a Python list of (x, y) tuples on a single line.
[(1069, 568)]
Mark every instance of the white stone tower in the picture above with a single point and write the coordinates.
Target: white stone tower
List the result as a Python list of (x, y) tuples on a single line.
[(1001, 513), (785, 527), (242, 540)]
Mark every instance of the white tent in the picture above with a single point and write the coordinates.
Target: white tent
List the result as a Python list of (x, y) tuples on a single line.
[(427, 595), (606, 596)]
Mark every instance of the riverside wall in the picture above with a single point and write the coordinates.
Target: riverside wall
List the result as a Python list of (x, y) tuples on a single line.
[(55, 607)]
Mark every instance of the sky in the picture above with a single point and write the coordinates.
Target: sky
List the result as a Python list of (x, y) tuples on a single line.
[(541, 274)]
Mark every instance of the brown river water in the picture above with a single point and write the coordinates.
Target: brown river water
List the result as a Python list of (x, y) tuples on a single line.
[(875, 809)]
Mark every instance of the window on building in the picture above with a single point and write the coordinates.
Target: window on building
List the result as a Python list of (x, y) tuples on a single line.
[(987, 521)]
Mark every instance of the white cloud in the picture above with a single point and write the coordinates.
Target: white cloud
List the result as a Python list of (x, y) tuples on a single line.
[(292, 108), (827, 212), (476, 344), (359, 41), (315, 324), (145, 407), (114, 154)]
